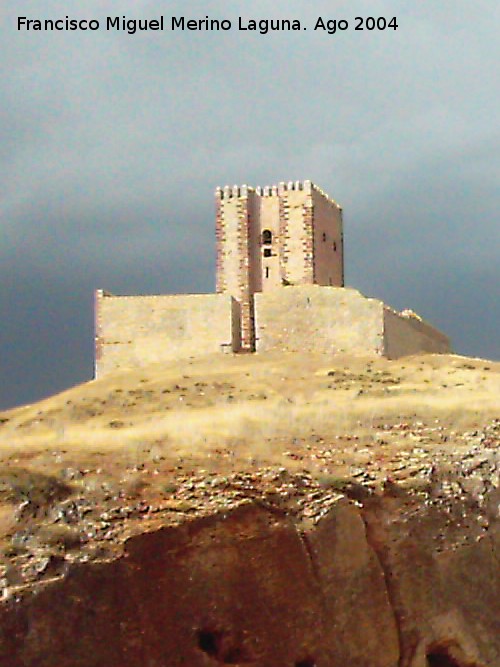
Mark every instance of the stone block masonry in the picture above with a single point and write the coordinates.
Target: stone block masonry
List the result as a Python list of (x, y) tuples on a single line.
[(408, 334), (233, 256), (314, 318), (133, 332)]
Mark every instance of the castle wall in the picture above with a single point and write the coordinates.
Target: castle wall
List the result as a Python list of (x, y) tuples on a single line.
[(228, 268), (311, 318), (404, 336), (132, 332), (314, 318), (328, 241)]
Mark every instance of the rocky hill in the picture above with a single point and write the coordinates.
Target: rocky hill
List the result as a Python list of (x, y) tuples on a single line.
[(270, 510)]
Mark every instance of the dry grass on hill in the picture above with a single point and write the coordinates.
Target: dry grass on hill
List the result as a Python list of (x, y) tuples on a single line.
[(255, 407), (110, 448)]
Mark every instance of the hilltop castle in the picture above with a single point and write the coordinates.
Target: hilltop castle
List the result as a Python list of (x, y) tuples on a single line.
[(280, 285)]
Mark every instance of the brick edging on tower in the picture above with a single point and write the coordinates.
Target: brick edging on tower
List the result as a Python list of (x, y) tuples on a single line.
[(246, 298), (308, 210), (220, 240)]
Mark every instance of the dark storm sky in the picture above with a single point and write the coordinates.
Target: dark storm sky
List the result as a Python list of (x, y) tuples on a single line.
[(111, 146)]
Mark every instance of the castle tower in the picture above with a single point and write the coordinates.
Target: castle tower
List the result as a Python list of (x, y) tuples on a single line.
[(268, 238)]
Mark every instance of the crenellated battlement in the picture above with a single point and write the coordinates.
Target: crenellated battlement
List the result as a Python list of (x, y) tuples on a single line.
[(233, 192), (237, 191), (325, 196), (267, 191)]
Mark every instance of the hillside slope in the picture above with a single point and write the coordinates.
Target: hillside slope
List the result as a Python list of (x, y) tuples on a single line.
[(264, 510)]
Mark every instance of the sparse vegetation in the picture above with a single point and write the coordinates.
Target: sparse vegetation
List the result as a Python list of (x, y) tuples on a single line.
[(19, 485), (169, 488)]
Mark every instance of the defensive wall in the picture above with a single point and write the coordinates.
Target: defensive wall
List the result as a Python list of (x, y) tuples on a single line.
[(312, 318), (404, 335), (309, 318), (135, 331)]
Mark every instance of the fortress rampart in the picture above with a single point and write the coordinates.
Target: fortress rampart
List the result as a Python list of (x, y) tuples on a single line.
[(312, 318), (404, 335), (280, 285), (135, 331)]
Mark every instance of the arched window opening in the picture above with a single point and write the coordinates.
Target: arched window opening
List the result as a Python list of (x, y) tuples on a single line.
[(267, 237), (268, 252), (335, 246), (324, 236)]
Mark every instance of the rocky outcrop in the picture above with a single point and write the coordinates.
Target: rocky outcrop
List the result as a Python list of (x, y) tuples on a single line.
[(442, 580), (393, 580)]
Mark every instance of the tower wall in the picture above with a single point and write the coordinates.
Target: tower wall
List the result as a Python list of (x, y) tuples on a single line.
[(236, 271), (269, 218), (296, 228), (328, 240), (302, 246)]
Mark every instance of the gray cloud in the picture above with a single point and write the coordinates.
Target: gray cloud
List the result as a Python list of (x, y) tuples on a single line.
[(111, 146)]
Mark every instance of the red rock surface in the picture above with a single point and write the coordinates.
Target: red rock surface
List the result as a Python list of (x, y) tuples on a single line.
[(253, 586)]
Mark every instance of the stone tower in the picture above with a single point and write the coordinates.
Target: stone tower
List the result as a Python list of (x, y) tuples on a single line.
[(268, 238)]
